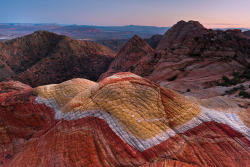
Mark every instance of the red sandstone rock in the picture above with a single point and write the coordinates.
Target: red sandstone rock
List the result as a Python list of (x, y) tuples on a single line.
[(32, 135), (12, 86), (181, 32), (193, 58)]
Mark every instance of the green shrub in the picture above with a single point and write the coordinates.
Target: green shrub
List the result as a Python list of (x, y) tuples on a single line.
[(2, 65), (131, 68), (244, 94), (173, 78), (231, 91), (182, 69), (195, 55), (246, 74), (228, 82)]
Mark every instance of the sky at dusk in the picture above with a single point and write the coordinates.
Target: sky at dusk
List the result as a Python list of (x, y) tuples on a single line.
[(162, 13)]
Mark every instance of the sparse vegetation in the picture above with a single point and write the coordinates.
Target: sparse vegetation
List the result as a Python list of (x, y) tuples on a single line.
[(195, 55), (231, 91), (246, 74), (182, 69), (238, 78), (173, 78), (2, 65), (228, 82), (196, 39), (155, 55), (245, 94), (131, 68), (8, 156)]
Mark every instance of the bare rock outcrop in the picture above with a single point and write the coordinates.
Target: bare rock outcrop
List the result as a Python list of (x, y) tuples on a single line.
[(181, 32), (128, 56), (193, 58)]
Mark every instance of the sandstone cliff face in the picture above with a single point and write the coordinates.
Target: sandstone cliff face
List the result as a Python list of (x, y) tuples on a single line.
[(44, 57), (124, 120), (128, 56)]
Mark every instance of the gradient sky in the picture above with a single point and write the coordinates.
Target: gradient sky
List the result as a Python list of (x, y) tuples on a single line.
[(211, 13)]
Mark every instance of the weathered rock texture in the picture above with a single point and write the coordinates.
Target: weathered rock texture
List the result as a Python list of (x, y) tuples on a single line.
[(124, 120), (192, 58), (12, 86), (195, 58), (181, 32), (45, 58), (5, 71)]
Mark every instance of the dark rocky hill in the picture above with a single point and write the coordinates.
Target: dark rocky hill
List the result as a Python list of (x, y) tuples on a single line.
[(44, 58)]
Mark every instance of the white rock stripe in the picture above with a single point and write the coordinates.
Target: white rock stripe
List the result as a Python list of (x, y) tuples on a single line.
[(206, 115)]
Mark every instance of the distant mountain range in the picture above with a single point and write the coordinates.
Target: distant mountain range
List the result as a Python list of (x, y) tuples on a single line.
[(83, 32)]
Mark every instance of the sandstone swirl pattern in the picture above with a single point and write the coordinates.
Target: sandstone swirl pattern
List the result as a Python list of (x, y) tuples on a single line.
[(124, 120)]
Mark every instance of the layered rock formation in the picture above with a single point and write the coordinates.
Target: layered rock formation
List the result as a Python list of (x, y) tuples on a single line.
[(202, 58), (128, 56), (44, 58), (124, 120), (192, 59)]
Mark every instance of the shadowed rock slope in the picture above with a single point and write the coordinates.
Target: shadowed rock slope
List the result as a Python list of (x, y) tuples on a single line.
[(128, 56), (44, 58), (247, 33), (154, 40), (124, 120)]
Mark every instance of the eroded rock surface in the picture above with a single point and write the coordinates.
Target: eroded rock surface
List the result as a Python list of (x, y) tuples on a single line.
[(11, 86), (192, 59), (128, 56), (124, 120), (181, 32)]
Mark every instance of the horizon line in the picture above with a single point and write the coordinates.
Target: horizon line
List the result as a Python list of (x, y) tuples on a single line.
[(63, 24)]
